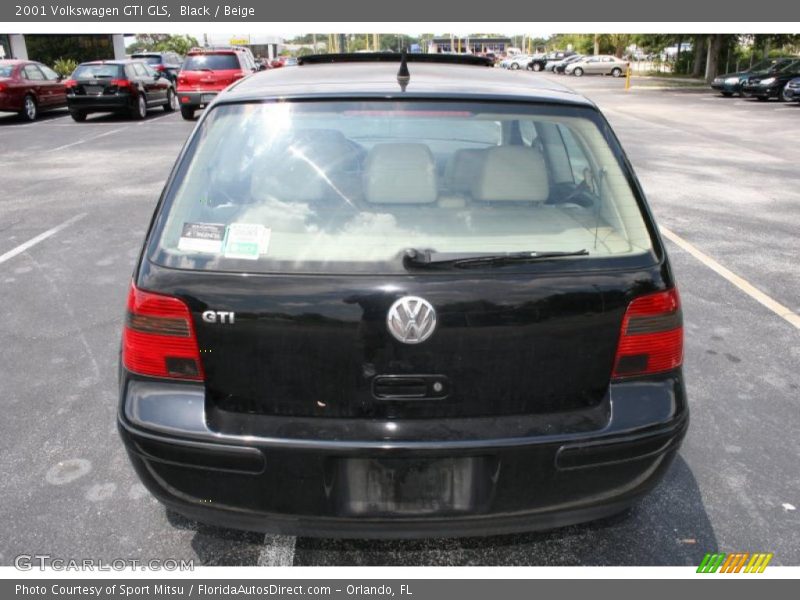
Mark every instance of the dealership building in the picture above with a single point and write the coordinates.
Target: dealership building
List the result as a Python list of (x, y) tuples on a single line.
[(473, 45), (47, 48)]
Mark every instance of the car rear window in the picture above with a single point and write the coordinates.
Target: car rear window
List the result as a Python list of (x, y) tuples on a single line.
[(148, 58), (348, 186), (215, 62), (99, 72)]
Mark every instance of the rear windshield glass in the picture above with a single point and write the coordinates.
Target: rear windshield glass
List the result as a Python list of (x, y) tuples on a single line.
[(149, 59), (214, 62), (348, 186), (98, 72), (6, 70)]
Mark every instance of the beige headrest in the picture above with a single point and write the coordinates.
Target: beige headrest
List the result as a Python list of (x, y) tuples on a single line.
[(400, 174), (512, 174)]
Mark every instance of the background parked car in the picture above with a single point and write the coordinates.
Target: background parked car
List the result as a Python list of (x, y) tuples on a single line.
[(558, 67), (518, 61), (168, 63), (731, 83), (771, 85), (792, 90), (602, 64), (208, 71), (122, 86), (28, 87), (540, 62)]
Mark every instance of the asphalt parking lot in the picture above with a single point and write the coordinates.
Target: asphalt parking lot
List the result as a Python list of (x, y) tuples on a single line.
[(720, 174)]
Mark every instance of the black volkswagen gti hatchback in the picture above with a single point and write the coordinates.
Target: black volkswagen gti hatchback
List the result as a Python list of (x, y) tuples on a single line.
[(399, 303)]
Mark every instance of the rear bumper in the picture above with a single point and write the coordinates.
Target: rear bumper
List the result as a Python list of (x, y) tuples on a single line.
[(196, 99), (312, 476), (10, 102), (111, 102)]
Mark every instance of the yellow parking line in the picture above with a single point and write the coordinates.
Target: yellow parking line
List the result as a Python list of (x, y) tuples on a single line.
[(748, 288)]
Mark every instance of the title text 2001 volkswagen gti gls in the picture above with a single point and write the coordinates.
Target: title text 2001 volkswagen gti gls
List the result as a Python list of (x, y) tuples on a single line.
[(383, 298)]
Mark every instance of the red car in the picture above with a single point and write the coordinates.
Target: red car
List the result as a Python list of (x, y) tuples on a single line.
[(208, 71), (28, 88)]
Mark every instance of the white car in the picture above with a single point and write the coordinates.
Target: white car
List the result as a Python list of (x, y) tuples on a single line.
[(518, 61), (603, 64)]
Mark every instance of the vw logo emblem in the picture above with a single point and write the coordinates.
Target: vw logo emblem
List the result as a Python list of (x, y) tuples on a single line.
[(411, 320)]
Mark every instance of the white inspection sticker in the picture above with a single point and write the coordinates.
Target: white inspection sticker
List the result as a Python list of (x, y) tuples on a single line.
[(245, 240), (202, 237)]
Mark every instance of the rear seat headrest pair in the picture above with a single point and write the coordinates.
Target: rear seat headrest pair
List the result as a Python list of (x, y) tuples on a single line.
[(406, 174)]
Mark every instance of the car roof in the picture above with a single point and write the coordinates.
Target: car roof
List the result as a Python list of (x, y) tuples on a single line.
[(15, 61), (126, 61), (379, 79)]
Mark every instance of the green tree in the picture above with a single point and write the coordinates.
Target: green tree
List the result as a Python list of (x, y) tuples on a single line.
[(163, 42)]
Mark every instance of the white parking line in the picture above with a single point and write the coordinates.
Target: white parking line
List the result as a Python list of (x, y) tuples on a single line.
[(748, 288), (278, 551), (88, 139), (39, 238)]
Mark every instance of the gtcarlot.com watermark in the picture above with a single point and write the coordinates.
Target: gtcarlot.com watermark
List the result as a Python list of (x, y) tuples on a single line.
[(42, 562)]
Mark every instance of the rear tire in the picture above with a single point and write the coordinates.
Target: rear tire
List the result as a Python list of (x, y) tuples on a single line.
[(514, 66), (30, 110), (77, 115), (616, 72), (139, 111), (537, 67), (578, 72), (187, 113), (172, 101)]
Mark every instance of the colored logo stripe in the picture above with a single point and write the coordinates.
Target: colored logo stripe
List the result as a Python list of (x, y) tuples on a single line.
[(735, 562), (758, 563)]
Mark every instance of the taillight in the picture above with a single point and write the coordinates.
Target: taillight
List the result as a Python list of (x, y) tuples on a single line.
[(159, 337), (3, 87), (120, 83), (160, 68), (70, 83), (651, 338)]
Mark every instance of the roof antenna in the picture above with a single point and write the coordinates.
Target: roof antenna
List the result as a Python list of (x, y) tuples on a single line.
[(403, 76)]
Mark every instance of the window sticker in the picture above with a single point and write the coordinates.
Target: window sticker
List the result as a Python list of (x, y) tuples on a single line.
[(202, 237), (247, 241)]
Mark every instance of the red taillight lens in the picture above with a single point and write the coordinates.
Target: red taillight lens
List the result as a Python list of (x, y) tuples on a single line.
[(70, 83), (120, 83), (651, 339), (159, 337), (3, 87), (160, 68)]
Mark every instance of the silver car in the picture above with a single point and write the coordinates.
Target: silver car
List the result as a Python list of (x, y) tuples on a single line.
[(602, 64)]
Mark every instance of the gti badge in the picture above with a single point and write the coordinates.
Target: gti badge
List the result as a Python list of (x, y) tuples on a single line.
[(411, 320)]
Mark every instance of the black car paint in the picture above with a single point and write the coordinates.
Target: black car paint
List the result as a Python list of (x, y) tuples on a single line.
[(153, 86), (729, 89), (543, 460), (166, 62), (754, 88)]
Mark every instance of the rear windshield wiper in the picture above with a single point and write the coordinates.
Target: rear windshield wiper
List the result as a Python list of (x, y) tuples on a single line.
[(413, 258)]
